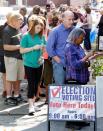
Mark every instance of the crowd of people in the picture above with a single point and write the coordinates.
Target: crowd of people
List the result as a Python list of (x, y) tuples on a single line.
[(44, 47)]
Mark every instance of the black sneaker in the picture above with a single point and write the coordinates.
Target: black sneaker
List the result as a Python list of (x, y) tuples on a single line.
[(10, 101), (19, 98)]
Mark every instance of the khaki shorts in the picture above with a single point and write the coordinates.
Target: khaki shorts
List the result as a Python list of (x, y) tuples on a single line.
[(14, 69)]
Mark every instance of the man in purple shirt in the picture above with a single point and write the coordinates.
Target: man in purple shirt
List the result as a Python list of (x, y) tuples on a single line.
[(56, 44)]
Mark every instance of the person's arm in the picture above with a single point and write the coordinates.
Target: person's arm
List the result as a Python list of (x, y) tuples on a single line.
[(51, 43), (78, 64), (72, 58), (24, 48), (87, 56), (97, 54), (11, 47)]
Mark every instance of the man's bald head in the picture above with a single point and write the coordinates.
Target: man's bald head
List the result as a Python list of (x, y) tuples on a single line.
[(67, 13), (67, 18)]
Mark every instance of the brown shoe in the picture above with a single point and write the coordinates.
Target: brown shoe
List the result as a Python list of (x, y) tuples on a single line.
[(4, 94)]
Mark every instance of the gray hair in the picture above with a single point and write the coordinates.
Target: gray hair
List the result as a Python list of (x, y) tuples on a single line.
[(75, 34), (67, 13)]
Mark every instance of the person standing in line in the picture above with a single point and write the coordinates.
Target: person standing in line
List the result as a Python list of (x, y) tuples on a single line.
[(13, 61), (77, 63), (24, 27), (87, 26), (2, 63), (32, 45), (56, 44)]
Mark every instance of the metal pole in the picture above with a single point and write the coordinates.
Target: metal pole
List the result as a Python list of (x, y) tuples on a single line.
[(48, 125)]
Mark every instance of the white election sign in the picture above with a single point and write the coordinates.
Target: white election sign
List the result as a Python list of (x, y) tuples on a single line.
[(72, 102)]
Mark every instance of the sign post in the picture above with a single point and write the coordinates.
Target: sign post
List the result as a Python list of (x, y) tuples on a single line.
[(72, 103)]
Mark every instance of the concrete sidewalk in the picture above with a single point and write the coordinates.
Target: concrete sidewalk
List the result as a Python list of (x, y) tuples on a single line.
[(16, 118)]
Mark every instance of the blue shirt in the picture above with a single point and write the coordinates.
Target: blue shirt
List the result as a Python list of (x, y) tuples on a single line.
[(57, 41), (76, 69)]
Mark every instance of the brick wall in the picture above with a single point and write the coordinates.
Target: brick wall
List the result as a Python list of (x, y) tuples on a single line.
[(78, 2), (29, 2), (57, 2), (12, 2), (39, 2)]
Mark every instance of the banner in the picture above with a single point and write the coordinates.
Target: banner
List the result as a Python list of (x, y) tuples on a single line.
[(72, 102)]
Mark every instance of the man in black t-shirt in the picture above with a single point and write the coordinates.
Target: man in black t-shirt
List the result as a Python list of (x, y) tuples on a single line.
[(12, 56)]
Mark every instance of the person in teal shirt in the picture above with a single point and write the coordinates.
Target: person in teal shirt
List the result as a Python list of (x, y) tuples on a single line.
[(31, 58), (31, 48)]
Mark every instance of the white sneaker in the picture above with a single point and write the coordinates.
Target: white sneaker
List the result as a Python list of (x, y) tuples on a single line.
[(36, 108), (31, 110)]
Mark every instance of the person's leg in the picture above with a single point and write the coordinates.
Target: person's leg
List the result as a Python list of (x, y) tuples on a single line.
[(58, 73), (39, 90), (16, 88), (87, 44), (38, 74), (19, 76), (9, 71), (30, 73), (38, 93), (8, 88), (4, 84), (48, 76)]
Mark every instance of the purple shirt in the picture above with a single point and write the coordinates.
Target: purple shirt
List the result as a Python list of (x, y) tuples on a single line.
[(75, 68)]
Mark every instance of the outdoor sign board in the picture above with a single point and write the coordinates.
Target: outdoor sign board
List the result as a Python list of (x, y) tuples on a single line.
[(72, 102)]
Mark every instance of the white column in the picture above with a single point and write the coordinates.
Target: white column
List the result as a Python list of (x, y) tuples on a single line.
[(19, 2)]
